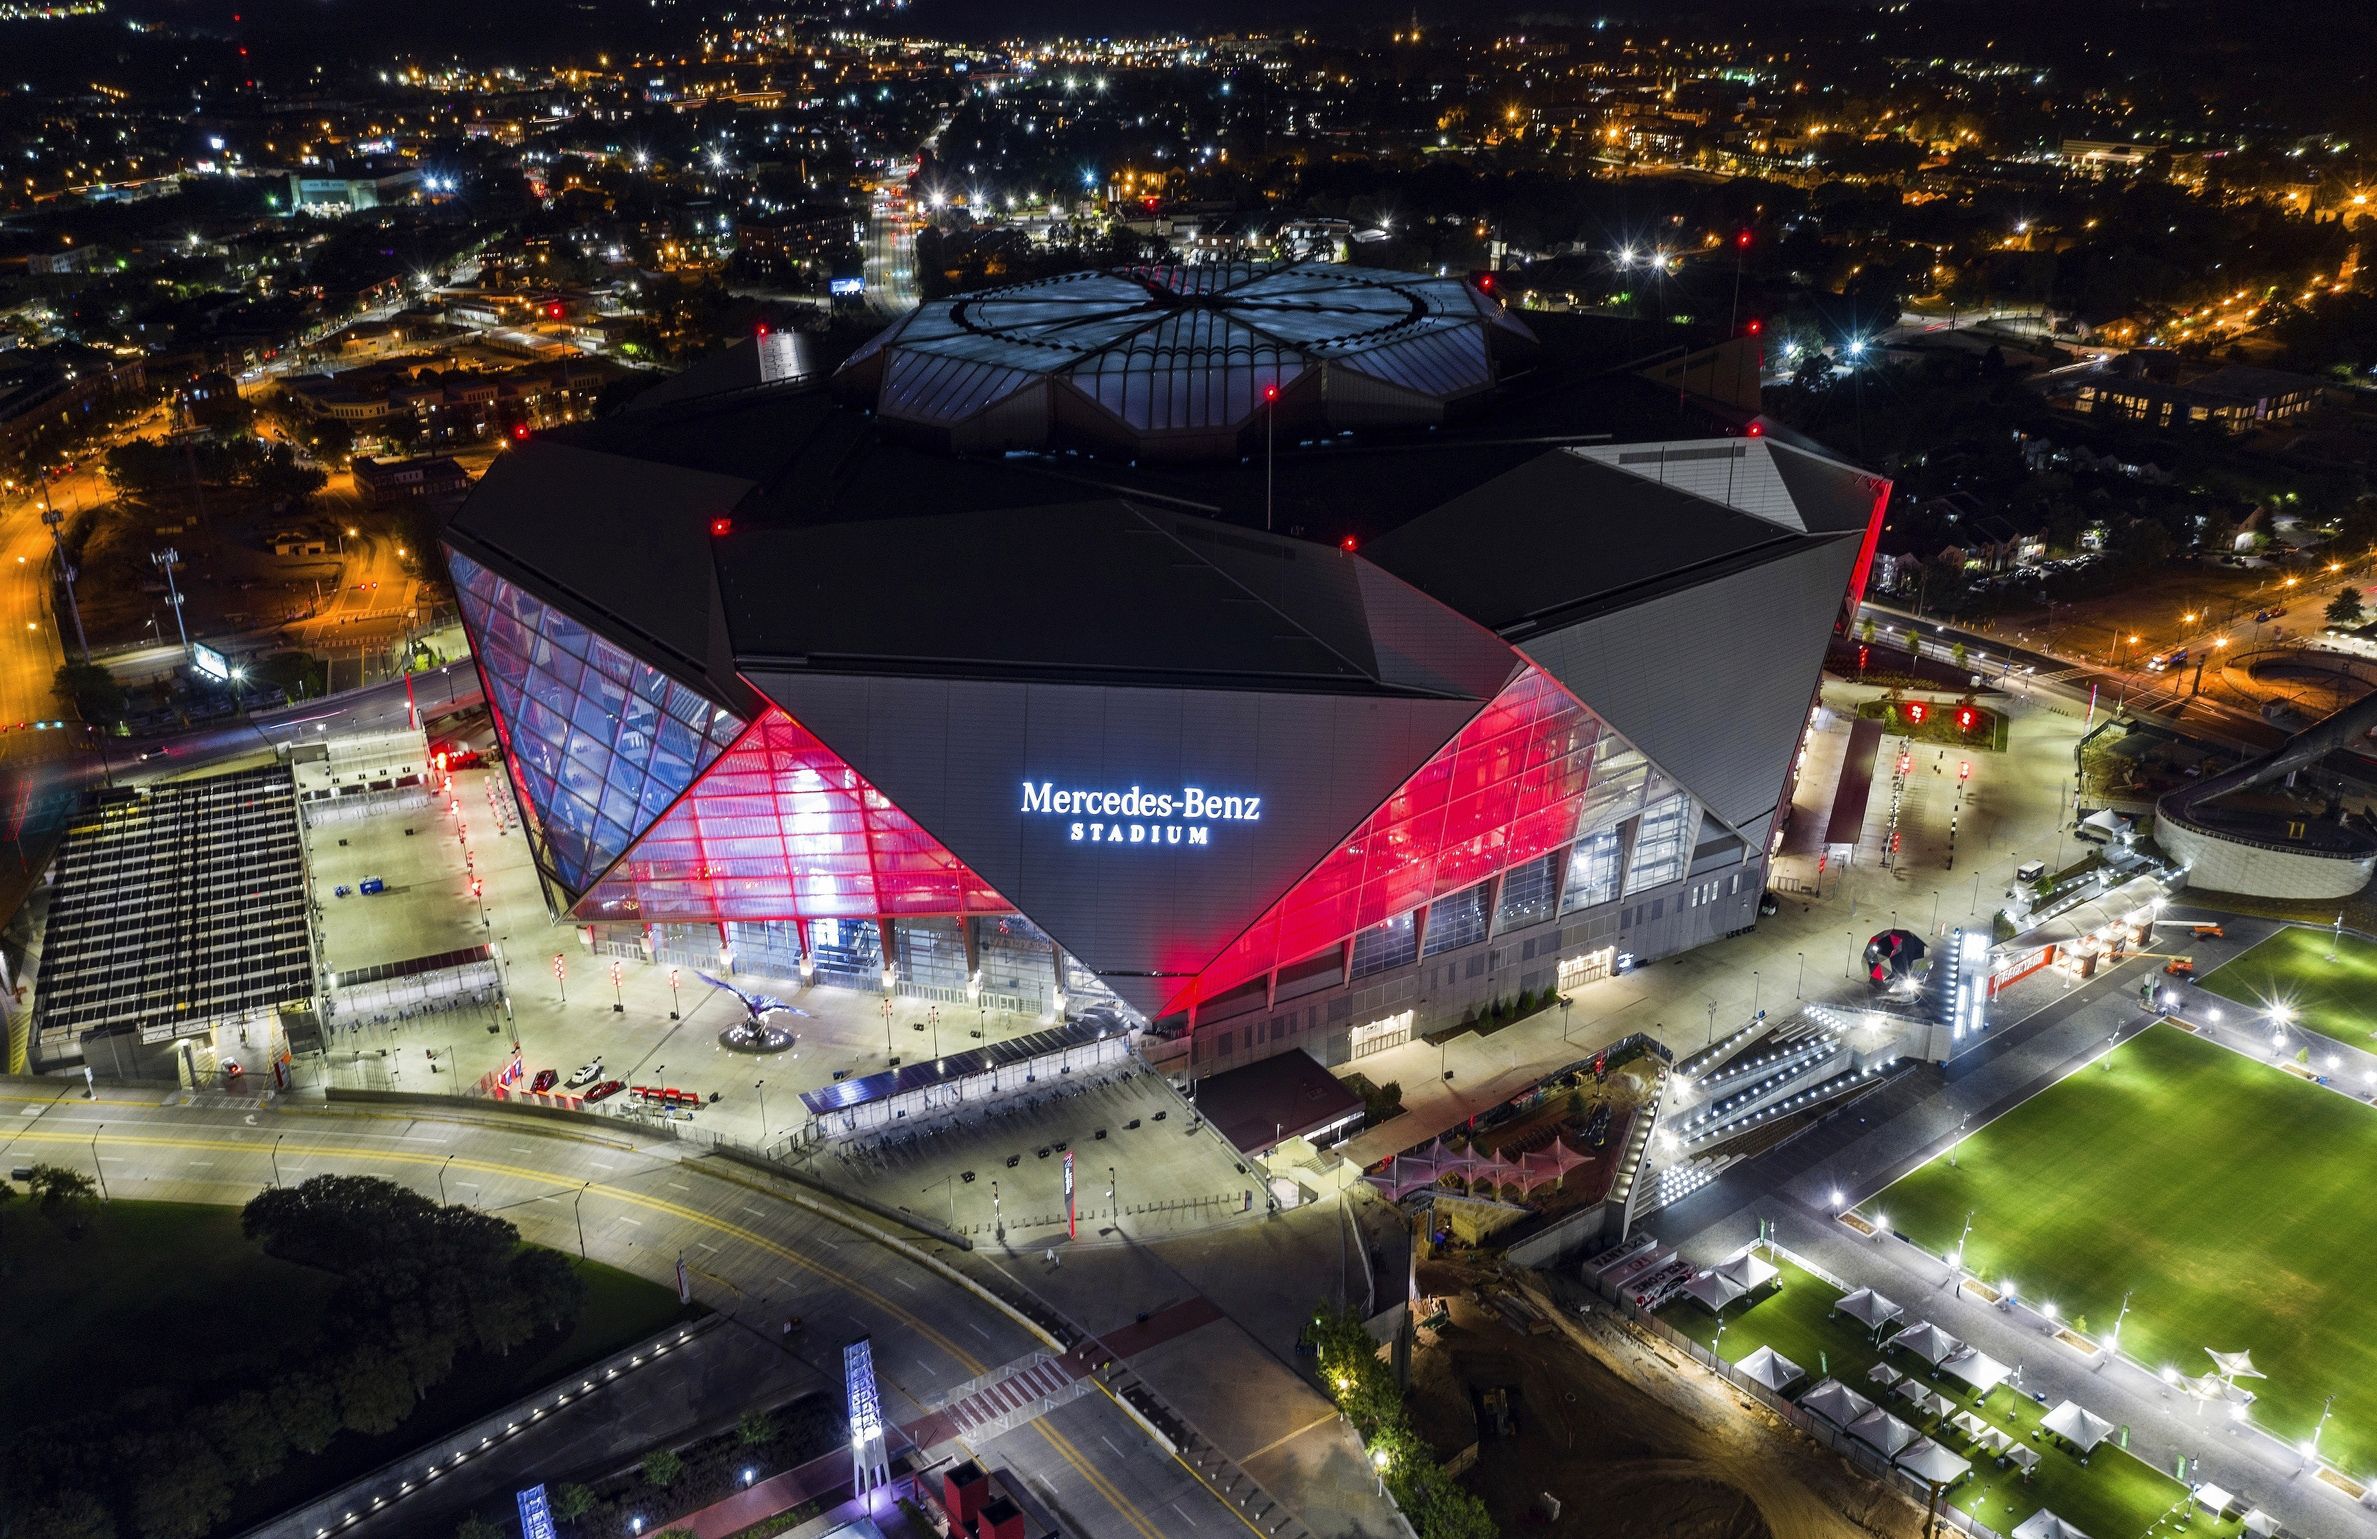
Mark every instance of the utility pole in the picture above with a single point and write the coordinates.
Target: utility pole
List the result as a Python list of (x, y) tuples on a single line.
[(52, 518), (165, 560)]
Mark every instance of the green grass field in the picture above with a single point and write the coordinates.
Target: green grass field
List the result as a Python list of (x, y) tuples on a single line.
[(2228, 1199), (2112, 1495), (2338, 998)]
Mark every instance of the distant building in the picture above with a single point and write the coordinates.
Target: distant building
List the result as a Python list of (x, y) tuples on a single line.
[(45, 386), (348, 194), (390, 483), (2102, 157), (2236, 399)]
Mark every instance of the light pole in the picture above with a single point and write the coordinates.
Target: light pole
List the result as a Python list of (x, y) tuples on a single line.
[(2115, 1339), (998, 1219), (1378, 1462), (1114, 1208), (672, 993), (1270, 416), (441, 1181), (1958, 1259), (1754, 986), (2311, 1451), (1802, 979), (276, 1157), (888, 1050), (165, 560), (932, 1015), (561, 977), (96, 1168), (618, 998), (1564, 1004), (762, 1088), (578, 1207)]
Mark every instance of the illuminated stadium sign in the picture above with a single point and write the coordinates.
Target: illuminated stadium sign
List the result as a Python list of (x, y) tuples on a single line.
[(1139, 816)]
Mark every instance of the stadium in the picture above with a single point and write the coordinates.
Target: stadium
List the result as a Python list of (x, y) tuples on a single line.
[(1280, 656)]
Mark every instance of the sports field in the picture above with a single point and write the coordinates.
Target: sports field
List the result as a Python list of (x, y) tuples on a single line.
[(2227, 1198), (2292, 968)]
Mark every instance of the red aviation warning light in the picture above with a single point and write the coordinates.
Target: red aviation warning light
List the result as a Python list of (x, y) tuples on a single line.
[(720, 528), (520, 432), (1270, 394), (1346, 544), (1742, 240)]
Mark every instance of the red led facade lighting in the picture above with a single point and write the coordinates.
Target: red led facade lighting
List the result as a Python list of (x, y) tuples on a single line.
[(1507, 789), (781, 827)]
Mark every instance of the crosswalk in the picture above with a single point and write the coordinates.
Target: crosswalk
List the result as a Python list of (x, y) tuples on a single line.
[(1006, 1403)]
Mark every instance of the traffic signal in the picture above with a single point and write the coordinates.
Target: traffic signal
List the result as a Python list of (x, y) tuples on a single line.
[(1916, 711), (1966, 716), (1861, 654)]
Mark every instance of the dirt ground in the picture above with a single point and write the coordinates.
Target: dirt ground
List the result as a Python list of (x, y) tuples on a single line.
[(1633, 1441)]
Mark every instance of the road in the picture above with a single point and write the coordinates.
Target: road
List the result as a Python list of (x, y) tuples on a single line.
[(754, 1254)]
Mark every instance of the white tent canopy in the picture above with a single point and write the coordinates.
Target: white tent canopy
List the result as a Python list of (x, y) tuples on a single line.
[(2260, 1524), (1750, 1271), (1868, 1308), (1714, 1290), (1879, 1429), (1977, 1368), (2043, 1524), (2083, 1429), (1835, 1402), (1883, 1374), (1929, 1462), (1770, 1368), (2234, 1365), (2214, 1499), (1928, 1342)]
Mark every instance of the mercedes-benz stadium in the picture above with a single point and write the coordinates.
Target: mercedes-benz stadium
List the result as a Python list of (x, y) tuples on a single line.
[(1295, 657)]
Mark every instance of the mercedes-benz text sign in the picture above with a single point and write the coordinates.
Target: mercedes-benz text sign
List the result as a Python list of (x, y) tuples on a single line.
[(1139, 816)]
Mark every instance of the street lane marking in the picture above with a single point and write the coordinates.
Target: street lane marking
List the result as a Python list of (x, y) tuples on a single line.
[(635, 1222), (1192, 1522), (754, 1212)]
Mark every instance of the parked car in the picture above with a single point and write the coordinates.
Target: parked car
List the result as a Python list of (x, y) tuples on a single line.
[(544, 1080), (587, 1074), (371, 885), (605, 1090)]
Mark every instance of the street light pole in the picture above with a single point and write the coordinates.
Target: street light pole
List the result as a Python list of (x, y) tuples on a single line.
[(762, 1088), (1802, 979), (578, 1207), (276, 1158), (96, 1168), (441, 1181)]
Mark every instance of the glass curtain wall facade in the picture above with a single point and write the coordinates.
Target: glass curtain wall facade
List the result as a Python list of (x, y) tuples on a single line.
[(781, 828), (599, 743), (1528, 775)]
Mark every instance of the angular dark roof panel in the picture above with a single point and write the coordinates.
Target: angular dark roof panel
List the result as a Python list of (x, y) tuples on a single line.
[(1590, 535)]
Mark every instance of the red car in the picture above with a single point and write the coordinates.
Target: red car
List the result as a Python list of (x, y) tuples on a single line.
[(608, 1088), (544, 1081)]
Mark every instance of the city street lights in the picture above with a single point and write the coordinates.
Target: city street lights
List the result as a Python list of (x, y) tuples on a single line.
[(762, 1087), (672, 994), (441, 1181), (96, 1168), (618, 998), (1113, 1208), (1801, 980), (276, 1157), (1378, 1462), (2114, 1340), (998, 1219), (1957, 1260), (578, 1207), (1564, 1004)]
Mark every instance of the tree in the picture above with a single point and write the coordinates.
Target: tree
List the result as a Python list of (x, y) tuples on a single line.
[(757, 1429), (1956, 655), (69, 1515), (307, 1409), (573, 1502), (662, 1467), (476, 1527), (67, 1198), (375, 1394), (98, 698), (248, 1438), (2345, 609), (181, 1492)]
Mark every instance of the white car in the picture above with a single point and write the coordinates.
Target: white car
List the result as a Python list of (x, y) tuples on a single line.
[(587, 1074)]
